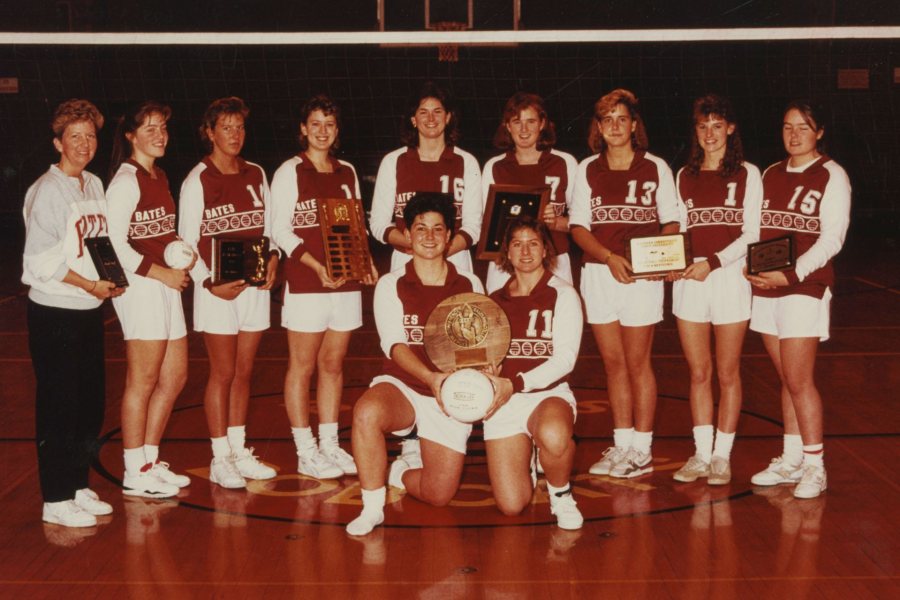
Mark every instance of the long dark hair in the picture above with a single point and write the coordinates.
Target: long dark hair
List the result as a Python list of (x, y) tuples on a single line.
[(409, 135), (715, 105), (129, 123)]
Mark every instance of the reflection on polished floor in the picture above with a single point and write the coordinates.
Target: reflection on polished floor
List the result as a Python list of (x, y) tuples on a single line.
[(649, 537)]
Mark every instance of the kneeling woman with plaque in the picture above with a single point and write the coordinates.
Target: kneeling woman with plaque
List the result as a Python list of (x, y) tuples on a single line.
[(534, 405), (141, 215), (722, 195), (320, 308), (405, 396), (807, 198), (623, 192), (223, 207)]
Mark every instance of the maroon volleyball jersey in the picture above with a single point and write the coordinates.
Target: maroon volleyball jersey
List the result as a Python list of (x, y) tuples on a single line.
[(812, 204), (296, 186), (555, 169), (720, 210), (144, 202), (214, 204), (402, 306), (616, 206)]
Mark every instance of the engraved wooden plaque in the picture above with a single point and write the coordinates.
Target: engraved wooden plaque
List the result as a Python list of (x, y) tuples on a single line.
[(776, 254), (344, 236), (505, 203), (466, 330)]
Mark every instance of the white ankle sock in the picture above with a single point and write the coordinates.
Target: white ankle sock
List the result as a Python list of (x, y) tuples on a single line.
[(814, 455), (134, 460), (622, 438), (237, 437), (642, 441), (703, 441), (220, 447), (793, 449), (304, 439), (152, 453), (372, 514), (724, 442), (328, 434)]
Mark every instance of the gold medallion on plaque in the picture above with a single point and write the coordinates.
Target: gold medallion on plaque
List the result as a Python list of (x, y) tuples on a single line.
[(344, 237), (466, 330)]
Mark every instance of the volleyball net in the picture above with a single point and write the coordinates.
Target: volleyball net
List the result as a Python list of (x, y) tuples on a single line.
[(853, 71)]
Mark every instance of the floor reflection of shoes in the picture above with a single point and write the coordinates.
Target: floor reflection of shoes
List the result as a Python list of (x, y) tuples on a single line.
[(374, 551), (561, 542), (231, 507), (66, 537), (777, 496), (627, 501), (142, 516)]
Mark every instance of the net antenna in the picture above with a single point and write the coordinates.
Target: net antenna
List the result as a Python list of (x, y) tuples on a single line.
[(454, 23)]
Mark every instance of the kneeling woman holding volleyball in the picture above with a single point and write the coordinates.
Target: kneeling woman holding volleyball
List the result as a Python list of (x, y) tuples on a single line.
[(405, 396), (141, 219), (534, 405)]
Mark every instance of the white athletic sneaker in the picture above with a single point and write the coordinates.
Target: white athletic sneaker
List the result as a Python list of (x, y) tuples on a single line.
[(693, 469), (161, 471), (395, 474), (250, 467), (222, 471), (611, 456), (778, 471), (147, 485), (317, 465), (341, 458), (367, 520), (719, 471), (812, 483), (88, 501), (563, 505), (634, 464), (67, 514), (411, 452)]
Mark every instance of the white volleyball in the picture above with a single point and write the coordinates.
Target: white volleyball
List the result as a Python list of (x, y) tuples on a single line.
[(467, 395), (178, 254)]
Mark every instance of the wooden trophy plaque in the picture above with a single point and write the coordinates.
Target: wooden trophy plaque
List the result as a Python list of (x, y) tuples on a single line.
[(466, 330), (344, 236), (236, 260)]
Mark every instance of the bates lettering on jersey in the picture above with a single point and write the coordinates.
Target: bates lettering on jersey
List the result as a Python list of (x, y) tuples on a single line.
[(152, 228), (306, 214), (232, 222)]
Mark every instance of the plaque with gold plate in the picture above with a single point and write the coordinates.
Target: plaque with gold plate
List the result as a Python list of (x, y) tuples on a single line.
[(505, 203), (344, 236), (236, 259), (658, 255), (466, 331), (776, 254)]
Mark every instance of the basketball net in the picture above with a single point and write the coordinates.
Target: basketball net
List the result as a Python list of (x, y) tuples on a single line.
[(448, 52)]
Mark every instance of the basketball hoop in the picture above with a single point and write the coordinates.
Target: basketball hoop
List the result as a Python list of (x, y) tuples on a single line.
[(449, 52)]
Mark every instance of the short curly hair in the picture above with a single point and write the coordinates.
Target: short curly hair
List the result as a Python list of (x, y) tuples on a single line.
[(231, 105), (74, 111), (329, 108)]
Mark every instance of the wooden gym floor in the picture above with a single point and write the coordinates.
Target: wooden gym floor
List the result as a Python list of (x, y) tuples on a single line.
[(645, 538)]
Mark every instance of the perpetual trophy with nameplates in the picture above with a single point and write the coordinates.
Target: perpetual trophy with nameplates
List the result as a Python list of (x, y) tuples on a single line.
[(344, 238)]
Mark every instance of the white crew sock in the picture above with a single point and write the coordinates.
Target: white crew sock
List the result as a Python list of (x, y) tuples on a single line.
[(793, 449), (703, 442), (134, 460), (372, 513), (236, 438), (152, 453), (328, 434), (724, 442), (814, 455), (304, 440), (220, 447), (622, 438), (642, 441)]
